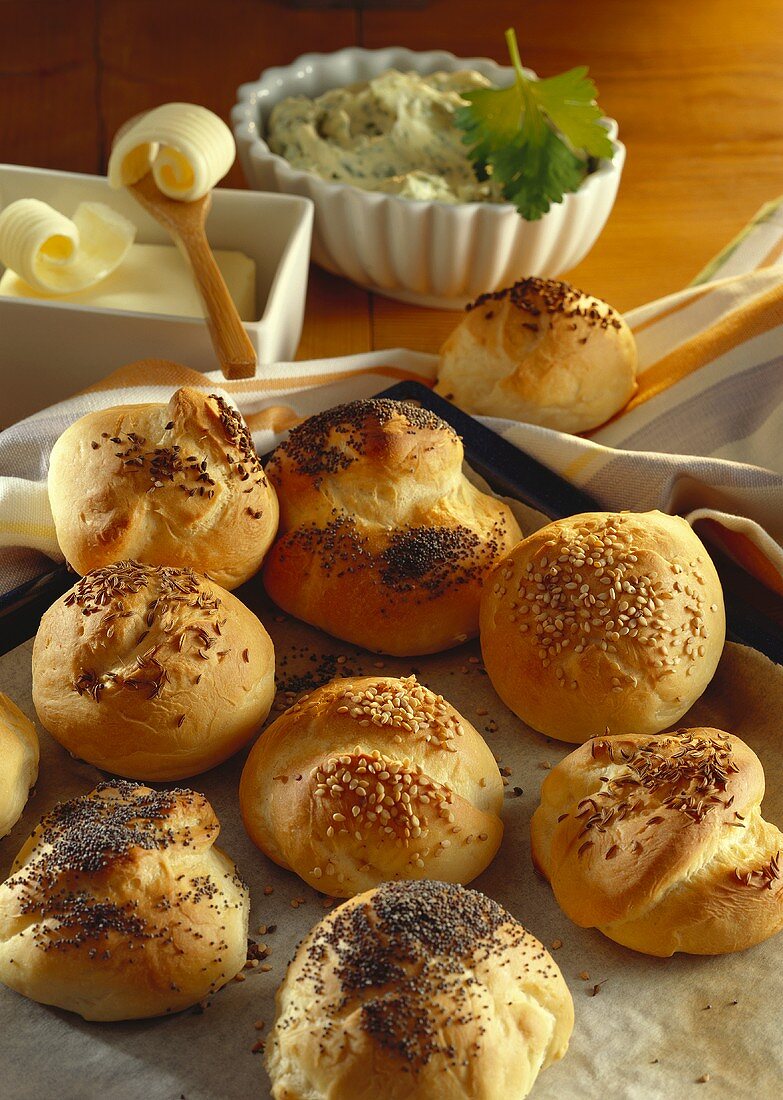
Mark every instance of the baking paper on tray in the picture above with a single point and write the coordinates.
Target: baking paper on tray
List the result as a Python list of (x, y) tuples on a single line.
[(644, 1027)]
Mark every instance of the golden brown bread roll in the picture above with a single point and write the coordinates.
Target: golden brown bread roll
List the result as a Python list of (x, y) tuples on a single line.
[(603, 620), (176, 484), (383, 541), (151, 672), (370, 779), (18, 762), (659, 842), (542, 352), (416, 991), (119, 906)]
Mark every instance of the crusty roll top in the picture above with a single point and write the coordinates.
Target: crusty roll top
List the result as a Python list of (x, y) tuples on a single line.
[(151, 671), (383, 540), (659, 841), (111, 828), (425, 989), (372, 779), (604, 619), (178, 484), (543, 352), (351, 446), (118, 905)]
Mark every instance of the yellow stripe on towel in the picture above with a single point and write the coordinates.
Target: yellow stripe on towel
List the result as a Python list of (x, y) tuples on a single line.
[(36, 530), (756, 317), (150, 372), (746, 553), (310, 381), (772, 256)]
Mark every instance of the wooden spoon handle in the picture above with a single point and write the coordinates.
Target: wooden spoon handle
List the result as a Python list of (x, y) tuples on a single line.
[(232, 345)]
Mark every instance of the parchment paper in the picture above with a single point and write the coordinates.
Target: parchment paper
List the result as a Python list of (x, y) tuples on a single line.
[(647, 1032)]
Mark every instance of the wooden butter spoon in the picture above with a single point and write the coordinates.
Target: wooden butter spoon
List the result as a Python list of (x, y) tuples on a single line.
[(185, 221)]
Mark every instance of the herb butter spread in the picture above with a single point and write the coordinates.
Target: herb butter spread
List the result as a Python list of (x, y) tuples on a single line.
[(394, 134)]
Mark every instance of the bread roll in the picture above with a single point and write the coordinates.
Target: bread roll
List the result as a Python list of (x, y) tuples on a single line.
[(151, 672), (417, 991), (541, 352), (119, 907), (605, 620), (18, 762), (372, 779), (176, 484), (659, 842), (383, 541)]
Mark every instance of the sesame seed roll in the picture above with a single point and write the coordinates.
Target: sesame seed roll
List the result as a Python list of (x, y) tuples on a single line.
[(605, 620), (170, 484), (383, 541), (541, 352), (18, 762), (119, 906), (418, 990), (151, 672), (659, 842), (370, 779)]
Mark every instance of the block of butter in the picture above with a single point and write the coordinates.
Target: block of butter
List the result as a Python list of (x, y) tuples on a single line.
[(153, 278)]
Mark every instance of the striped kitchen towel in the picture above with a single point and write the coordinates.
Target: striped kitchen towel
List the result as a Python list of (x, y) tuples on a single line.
[(702, 436)]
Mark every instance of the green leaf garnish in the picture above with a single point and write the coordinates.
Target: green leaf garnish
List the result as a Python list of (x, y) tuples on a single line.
[(534, 138)]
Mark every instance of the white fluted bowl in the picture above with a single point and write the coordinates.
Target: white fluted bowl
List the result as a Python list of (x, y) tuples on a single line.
[(430, 253)]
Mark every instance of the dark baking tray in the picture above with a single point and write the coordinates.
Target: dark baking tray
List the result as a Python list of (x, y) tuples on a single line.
[(751, 610)]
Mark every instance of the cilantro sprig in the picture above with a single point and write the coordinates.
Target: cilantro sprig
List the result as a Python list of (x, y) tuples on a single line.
[(535, 137)]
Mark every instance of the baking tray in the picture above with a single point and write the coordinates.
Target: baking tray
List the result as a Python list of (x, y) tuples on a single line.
[(753, 614), (632, 1011)]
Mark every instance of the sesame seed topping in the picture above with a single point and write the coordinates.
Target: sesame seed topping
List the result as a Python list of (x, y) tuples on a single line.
[(403, 704), (393, 798), (584, 588)]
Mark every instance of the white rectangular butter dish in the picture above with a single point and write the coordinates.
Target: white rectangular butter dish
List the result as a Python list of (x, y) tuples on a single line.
[(51, 349)]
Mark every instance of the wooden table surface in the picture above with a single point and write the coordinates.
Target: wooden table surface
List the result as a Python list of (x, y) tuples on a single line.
[(697, 89)]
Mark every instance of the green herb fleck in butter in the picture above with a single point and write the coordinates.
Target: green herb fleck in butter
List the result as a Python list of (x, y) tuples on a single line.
[(394, 134)]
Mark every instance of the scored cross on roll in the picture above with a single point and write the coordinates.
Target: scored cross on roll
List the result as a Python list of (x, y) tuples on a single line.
[(658, 841)]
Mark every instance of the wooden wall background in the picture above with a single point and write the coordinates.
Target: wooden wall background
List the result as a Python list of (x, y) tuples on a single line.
[(697, 89)]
